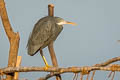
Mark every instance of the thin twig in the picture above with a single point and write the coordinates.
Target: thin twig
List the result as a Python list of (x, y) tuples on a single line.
[(110, 74), (75, 76), (81, 76), (87, 76), (115, 59), (113, 76), (92, 75)]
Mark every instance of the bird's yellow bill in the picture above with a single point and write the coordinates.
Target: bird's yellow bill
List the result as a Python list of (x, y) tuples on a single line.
[(74, 24)]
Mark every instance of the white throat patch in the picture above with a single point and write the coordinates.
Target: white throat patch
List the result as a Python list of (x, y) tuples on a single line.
[(61, 23)]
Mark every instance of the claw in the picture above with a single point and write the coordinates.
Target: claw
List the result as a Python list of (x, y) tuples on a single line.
[(45, 61), (47, 66)]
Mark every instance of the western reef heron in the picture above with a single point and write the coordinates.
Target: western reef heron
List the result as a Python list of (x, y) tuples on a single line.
[(45, 30)]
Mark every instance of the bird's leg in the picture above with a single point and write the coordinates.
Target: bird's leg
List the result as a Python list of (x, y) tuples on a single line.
[(44, 59)]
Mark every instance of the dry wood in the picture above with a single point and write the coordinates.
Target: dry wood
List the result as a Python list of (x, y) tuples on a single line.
[(13, 52), (51, 10), (105, 63), (50, 46), (13, 39), (56, 70), (17, 65)]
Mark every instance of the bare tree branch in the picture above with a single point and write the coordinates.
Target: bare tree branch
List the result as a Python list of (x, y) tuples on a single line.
[(59, 70), (85, 70), (99, 65), (105, 64), (115, 59), (12, 37), (50, 46)]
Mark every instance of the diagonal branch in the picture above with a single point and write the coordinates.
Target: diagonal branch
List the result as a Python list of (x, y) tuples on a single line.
[(115, 59), (12, 36)]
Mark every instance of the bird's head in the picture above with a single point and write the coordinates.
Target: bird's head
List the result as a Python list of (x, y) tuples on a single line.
[(61, 21)]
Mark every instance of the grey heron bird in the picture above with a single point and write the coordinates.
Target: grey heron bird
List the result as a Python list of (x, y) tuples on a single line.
[(45, 30)]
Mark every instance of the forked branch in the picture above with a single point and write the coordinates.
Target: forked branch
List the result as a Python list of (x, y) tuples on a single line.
[(12, 37)]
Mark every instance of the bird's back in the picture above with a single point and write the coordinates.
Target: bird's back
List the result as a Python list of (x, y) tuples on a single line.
[(44, 31)]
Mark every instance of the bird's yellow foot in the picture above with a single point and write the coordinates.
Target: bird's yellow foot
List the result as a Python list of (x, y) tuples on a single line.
[(47, 66)]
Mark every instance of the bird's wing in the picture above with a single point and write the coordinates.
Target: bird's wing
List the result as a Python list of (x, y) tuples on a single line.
[(40, 34)]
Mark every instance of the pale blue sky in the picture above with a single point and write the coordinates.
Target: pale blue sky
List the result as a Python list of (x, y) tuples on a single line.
[(92, 41)]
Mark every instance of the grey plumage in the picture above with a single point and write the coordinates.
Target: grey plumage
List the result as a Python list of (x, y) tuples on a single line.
[(44, 31)]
